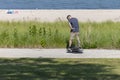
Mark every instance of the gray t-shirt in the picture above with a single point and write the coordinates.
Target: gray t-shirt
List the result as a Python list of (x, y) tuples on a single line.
[(75, 25)]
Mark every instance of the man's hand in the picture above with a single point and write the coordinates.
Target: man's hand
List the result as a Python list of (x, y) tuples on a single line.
[(72, 28)]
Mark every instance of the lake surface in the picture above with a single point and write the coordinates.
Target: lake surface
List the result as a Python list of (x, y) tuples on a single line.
[(59, 4)]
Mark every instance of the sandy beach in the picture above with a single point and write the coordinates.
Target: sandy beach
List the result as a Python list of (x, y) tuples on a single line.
[(53, 15)]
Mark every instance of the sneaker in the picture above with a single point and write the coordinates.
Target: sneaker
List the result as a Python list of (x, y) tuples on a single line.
[(80, 47), (69, 49)]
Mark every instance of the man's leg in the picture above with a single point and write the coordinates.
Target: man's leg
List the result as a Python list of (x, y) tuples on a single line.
[(71, 38), (70, 43), (78, 39)]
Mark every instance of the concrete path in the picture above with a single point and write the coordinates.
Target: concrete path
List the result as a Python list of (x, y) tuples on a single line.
[(57, 53)]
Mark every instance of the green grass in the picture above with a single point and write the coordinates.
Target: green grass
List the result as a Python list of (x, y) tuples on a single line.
[(35, 34), (59, 69)]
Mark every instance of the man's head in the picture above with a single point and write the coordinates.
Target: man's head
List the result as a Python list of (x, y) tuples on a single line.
[(68, 17)]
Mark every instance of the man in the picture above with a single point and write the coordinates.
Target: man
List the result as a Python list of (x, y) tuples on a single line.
[(74, 30)]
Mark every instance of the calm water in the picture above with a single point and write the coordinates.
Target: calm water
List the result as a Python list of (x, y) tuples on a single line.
[(59, 4)]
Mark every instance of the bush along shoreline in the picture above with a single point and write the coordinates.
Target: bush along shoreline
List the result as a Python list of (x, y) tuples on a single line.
[(33, 34)]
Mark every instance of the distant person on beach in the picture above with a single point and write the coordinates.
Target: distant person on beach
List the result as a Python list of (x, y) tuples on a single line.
[(74, 30)]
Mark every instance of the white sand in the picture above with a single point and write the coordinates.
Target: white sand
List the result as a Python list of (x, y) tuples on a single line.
[(53, 15)]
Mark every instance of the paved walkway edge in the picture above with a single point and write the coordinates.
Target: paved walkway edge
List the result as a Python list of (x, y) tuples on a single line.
[(57, 53)]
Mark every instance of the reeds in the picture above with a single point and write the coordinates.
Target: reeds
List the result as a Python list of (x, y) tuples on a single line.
[(35, 34)]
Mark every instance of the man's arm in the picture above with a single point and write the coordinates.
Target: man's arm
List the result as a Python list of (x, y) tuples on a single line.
[(70, 26)]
